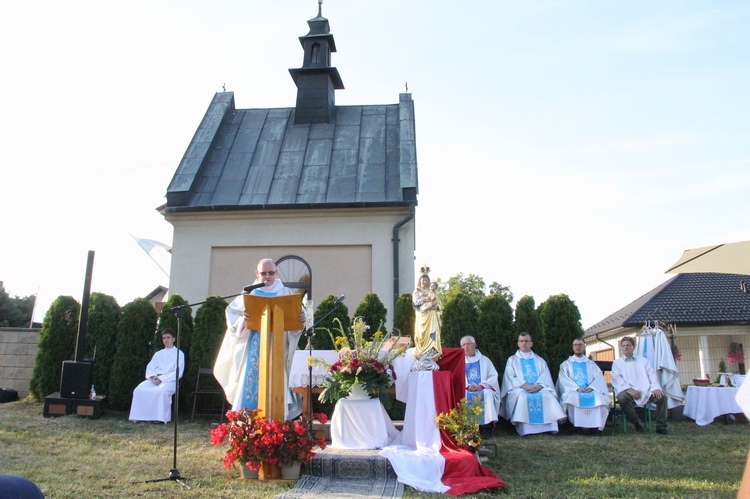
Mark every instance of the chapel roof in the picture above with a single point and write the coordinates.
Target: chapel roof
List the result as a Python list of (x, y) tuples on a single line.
[(313, 155)]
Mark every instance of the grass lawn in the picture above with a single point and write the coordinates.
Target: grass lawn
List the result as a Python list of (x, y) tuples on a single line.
[(71, 456)]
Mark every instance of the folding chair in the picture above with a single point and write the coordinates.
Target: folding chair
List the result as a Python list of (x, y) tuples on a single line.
[(206, 386)]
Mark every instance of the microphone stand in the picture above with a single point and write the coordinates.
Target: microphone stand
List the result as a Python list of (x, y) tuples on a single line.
[(174, 473), (310, 333)]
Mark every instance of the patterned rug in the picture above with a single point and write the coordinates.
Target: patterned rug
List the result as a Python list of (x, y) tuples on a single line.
[(343, 473)]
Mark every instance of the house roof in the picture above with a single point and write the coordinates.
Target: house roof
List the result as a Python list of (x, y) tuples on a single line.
[(686, 299), (259, 159)]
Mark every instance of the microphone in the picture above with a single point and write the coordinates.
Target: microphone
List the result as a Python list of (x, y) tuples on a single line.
[(251, 287), (341, 298)]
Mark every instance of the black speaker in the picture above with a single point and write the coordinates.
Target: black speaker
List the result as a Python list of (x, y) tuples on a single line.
[(76, 379)]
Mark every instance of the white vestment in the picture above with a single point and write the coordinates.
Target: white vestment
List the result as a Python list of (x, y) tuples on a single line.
[(584, 410), (635, 373), (514, 400), (154, 402), (656, 349), (231, 362), (490, 384)]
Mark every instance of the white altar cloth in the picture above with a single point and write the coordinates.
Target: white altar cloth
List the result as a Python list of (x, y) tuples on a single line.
[(704, 403), (415, 453), (361, 424)]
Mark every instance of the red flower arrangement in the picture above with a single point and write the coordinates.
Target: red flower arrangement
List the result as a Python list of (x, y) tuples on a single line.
[(736, 355), (254, 439)]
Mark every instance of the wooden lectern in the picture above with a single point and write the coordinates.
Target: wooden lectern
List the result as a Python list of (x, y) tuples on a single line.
[(272, 316)]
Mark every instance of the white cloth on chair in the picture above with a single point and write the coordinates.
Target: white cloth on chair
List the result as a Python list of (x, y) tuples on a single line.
[(154, 402)]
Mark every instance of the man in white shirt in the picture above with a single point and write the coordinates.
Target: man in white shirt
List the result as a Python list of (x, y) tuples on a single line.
[(527, 396), (482, 382), (583, 391), (635, 384), (152, 399)]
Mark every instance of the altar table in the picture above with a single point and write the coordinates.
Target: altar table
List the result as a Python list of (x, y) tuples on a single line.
[(705, 403), (361, 424)]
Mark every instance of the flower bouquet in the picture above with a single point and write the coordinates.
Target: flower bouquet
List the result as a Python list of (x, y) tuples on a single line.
[(254, 439), (462, 423), (361, 362), (736, 354)]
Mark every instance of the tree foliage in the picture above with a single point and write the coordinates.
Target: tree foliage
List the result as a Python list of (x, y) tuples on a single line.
[(373, 312), (321, 340), (504, 291), (208, 332), (460, 318), (57, 343), (101, 338), (404, 316), (472, 287), (561, 324), (496, 338), (135, 332), (527, 320), (16, 311), (169, 318)]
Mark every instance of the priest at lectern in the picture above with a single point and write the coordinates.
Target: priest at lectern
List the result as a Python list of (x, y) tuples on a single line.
[(237, 365)]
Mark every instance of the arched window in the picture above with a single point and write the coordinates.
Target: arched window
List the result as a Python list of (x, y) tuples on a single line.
[(315, 53), (296, 274)]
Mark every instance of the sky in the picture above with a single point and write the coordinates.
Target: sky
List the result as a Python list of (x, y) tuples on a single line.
[(574, 147)]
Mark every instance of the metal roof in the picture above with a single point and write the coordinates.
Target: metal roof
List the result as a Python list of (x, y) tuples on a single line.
[(686, 299), (259, 159)]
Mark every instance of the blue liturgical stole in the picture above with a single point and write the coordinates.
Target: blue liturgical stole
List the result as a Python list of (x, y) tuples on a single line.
[(474, 377), (581, 377), (250, 378), (534, 401)]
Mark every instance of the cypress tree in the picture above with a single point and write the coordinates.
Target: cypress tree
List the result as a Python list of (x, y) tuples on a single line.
[(322, 340), (135, 332), (404, 317), (495, 336), (460, 318), (101, 337), (208, 333), (561, 324), (373, 312), (57, 343)]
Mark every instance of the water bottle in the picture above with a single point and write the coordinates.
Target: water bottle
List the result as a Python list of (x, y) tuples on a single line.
[(93, 393)]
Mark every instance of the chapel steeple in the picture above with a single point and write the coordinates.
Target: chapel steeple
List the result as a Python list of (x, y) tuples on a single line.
[(316, 80)]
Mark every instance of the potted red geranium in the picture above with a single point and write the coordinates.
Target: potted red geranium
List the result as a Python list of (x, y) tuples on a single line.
[(254, 439)]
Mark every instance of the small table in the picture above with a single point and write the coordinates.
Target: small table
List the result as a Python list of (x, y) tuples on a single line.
[(705, 403), (361, 424)]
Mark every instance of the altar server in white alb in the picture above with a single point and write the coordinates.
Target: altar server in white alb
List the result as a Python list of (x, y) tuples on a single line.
[(583, 390), (482, 381), (152, 399), (527, 396)]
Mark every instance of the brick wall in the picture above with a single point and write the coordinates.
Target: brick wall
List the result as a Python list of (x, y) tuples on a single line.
[(18, 348)]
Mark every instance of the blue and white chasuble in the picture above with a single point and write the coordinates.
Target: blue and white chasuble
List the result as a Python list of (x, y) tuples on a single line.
[(474, 377), (249, 387), (581, 377), (534, 401)]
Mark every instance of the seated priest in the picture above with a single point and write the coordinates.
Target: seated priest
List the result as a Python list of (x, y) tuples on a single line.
[(152, 399), (482, 382), (527, 396), (582, 390)]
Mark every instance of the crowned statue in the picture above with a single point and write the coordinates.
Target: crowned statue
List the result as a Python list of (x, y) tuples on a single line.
[(427, 324)]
